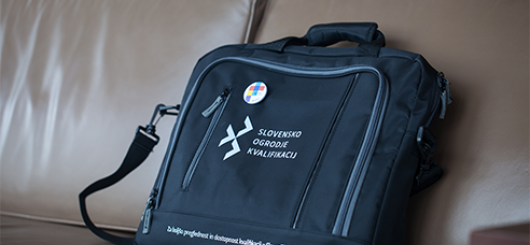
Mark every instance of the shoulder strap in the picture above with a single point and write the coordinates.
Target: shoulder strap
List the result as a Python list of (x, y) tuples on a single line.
[(143, 143)]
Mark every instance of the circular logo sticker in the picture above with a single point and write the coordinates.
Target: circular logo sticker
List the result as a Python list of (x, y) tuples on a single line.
[(255, 93)]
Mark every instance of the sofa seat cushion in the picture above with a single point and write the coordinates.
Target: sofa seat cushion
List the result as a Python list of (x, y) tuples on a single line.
[(16, 230)]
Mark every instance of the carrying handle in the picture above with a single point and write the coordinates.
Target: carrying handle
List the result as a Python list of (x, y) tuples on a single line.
[(328, 34), (365, 33)]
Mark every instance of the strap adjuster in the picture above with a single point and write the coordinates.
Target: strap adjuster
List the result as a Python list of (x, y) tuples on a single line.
[(426, 144), (143, 130)]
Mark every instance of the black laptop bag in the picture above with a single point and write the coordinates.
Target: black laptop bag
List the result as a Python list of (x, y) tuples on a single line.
[(292, 142)]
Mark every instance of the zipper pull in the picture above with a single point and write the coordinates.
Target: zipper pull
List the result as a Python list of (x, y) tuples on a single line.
[(220, 99), (147, 216), (445, 96)]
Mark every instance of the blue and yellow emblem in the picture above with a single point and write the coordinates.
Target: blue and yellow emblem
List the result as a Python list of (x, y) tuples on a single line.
[(255, 93)]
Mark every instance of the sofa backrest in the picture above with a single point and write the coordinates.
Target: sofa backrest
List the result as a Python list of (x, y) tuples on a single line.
[(78, 77)]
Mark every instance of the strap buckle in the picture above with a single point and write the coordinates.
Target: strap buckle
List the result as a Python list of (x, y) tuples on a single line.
[(161, 110)]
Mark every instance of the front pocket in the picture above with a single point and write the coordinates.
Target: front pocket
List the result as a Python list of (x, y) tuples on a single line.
[(216, 108), (256, 162)]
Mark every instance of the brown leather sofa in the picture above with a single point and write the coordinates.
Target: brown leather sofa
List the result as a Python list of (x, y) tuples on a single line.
[(78, 77)]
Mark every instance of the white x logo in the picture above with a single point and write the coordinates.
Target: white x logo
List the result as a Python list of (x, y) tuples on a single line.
[(233, 137)]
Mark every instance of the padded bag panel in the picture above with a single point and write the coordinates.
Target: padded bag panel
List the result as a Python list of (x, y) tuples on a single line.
[(334, 98)]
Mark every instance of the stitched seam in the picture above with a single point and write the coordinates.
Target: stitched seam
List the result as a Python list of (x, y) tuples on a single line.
[(385, 199)]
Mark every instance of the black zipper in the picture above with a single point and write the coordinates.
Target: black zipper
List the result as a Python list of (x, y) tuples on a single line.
[(322, 151), (445, 94), (216, 108), (440, 98), (152, 201), (147, 216), (355, 182)]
